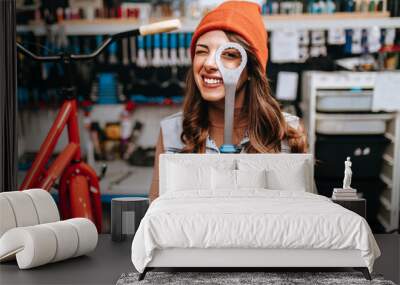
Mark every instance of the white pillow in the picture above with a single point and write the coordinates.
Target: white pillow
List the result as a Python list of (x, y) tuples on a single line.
[(227, 179), (188, 177), (251, 178), (281, 174), (223, 179), (293, 179)]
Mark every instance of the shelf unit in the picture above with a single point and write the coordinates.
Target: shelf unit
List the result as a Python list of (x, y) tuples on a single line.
[(272, 23), (315, 81)]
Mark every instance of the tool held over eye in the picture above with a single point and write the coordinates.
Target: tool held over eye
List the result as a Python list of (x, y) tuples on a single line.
[(231, 59)]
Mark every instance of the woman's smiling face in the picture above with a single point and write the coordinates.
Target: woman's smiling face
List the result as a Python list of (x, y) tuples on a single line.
[(205, 70)]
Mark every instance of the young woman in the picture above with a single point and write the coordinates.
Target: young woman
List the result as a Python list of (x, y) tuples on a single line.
[(259, 124)]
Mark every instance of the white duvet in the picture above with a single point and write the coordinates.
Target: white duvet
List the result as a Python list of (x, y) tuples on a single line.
[(254, 218)]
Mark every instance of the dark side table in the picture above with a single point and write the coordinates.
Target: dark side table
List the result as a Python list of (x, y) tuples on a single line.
[(126, 214), (358, 206)]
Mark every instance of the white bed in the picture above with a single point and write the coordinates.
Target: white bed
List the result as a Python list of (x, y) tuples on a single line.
[(231, 211)]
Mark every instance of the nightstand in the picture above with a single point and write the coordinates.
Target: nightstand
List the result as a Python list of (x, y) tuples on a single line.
[(358, 206), (126, 214)]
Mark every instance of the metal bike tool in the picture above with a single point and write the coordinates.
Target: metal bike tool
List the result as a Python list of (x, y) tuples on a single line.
[(230, 69)]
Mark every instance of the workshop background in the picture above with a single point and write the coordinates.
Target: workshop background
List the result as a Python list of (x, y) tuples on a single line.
[(334, 63)]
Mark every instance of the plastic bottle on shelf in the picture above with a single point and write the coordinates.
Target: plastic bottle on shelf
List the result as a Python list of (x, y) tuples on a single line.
[(363, 6), (141, 58), (60, 14), (349, 6), (372, 6), (299, 7), (164, 46), (349, 41), (330, 7), (364, 42), (313, 7), (148, 49), (157, 51), (176, 8), (284, 7), (268, 9), (182, 49), (99, 40), (356, 46), (322, 6), (120, 13), (379, 5), (157, 68), (173, 51), (264, 8), (75, 13), (274, 7), (187, 45), (112, 49), (374, 39), (192, 9)]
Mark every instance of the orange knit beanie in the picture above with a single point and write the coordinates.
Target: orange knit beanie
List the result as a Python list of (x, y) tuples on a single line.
[(241, 17)]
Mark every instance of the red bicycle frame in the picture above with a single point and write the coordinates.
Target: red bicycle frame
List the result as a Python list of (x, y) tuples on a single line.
[(79, 191), (79, 185)]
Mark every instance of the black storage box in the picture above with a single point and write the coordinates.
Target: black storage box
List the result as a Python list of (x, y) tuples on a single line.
[(370, 189), (365, 152)]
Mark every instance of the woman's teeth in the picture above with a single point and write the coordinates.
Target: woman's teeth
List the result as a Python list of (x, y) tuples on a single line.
[(212, 81)]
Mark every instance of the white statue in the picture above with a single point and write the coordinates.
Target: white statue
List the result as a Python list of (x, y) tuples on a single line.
[(347, 174)]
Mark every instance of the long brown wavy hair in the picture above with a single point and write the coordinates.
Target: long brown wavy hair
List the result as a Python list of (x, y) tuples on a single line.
[(267, 126)]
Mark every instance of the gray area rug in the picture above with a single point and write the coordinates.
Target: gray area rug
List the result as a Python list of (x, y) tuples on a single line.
[(233, 278)]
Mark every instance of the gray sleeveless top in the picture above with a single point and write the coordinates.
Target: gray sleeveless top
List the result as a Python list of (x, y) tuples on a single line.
[(171, 128)]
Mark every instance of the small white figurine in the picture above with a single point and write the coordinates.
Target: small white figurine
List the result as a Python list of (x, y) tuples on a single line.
[(347, 174)]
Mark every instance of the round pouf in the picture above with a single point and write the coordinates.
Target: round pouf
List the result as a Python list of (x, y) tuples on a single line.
[(126, 214)]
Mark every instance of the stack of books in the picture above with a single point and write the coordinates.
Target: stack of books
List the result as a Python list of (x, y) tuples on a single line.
[(344, 194)]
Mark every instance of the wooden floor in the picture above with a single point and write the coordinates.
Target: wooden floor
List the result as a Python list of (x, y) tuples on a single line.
[(110, 260)]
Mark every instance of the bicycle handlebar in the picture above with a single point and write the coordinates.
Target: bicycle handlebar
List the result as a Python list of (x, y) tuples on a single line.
[(158, 27)]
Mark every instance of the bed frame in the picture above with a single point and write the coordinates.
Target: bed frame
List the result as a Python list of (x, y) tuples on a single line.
[(246, 258)]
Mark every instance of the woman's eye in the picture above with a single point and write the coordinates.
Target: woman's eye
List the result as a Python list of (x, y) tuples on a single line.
[(231, 55), (200, 52)]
